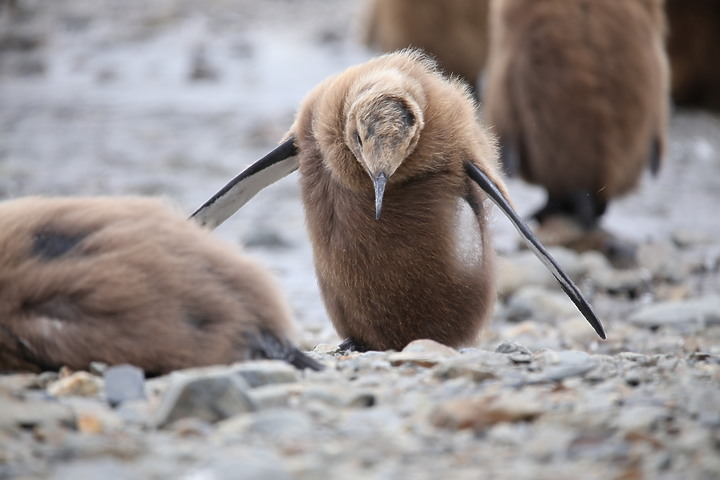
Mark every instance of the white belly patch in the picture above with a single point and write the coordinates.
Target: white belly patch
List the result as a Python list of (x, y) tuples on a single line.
[(467, 235)]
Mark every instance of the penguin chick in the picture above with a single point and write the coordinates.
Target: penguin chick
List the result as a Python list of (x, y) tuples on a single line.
[(577, 91), (455, 32), (129, 280), (395, 171)]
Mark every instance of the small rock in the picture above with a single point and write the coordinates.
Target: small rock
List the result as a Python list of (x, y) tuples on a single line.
[(32, 413), (565, 364), (512, 347), (191, 427), (105, 468), (663, 261), (80, 384), (700, 313), (539, 303), (464, 368), (633, 377), (18, 382), (480, 413), (279, 423), (426, 353), (338, 396), (88, 423), (688, 238), (209, 398), (242, 466), (98, 368), (46, 378), (266, 372), (123, 383), (325, 348), (631, 281), (270, 396)]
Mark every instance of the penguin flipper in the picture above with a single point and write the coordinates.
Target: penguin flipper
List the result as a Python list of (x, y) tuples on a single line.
[(277, 164), (499, 198)]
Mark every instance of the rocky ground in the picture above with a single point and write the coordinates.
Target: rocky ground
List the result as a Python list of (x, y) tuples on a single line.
[(172, 98)]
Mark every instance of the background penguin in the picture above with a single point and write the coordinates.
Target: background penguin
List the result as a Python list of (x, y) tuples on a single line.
[(129, 280), (577, 91), (693, 43), (391, 157), (454, 32)]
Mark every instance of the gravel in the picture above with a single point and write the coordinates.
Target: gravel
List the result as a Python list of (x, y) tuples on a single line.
[(173, 98)]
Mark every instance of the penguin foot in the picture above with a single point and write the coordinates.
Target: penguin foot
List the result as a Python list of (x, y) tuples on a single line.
[(350, 345)]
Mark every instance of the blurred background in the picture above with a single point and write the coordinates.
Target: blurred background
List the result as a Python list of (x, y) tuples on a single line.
[(173, 98)]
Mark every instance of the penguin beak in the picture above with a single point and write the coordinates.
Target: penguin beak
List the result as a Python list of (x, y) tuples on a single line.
[(379, 182)]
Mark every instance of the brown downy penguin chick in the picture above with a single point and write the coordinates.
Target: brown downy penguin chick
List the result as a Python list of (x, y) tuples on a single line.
[(129, 280), (391, 158), (452, 31), (577, 91), (693, 43)]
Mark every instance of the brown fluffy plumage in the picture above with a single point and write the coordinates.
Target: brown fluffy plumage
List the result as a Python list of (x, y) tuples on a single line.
[(577, 90), (452, 31), (412, 273), (128, 280), (693, 46)]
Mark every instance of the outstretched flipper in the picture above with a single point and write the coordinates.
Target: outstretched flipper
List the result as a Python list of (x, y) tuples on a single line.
[(496, 195), (277, 164)]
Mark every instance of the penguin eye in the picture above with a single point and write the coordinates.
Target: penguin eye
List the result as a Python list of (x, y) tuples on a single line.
[(358, 138)]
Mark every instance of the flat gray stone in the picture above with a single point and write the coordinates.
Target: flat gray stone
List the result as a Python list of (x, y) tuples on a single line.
[(210, 398), (266, 372), (701, 312), (123, 383)]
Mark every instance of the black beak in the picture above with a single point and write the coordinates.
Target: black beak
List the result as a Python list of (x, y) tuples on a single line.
[(379, 184)]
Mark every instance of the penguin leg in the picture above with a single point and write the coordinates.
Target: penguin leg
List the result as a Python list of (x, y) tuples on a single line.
[(581, 205)]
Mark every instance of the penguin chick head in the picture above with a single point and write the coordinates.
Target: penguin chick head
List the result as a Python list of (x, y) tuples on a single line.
[(384, 121)]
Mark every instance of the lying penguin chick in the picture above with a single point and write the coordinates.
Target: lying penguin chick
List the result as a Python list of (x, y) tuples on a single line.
[(692, 47), (452, 31), (128, 280), (577, 91), (391, 157)]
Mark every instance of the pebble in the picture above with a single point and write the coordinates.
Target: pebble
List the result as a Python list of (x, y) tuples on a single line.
[(266, 372), (699, 313), (80, 383), (210, 398), (540, 304), (123, 383), (426, 353), (663, 261), (562, 365), (480, 413)]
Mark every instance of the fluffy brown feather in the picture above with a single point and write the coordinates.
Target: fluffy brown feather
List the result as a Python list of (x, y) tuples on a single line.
[(693, 49), (129, 280), (577, 90), (387, 282), (452, 31)]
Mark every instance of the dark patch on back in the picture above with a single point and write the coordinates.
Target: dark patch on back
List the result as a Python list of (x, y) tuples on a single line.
[(51, 245), (60, 308), (198, 320), (266, 345)]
